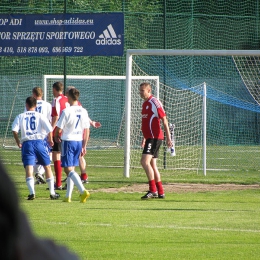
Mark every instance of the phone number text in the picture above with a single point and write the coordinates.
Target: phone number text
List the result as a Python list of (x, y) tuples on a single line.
[(40, 50)]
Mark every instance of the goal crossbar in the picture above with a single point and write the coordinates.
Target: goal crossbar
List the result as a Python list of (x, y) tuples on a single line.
[(162, 52)]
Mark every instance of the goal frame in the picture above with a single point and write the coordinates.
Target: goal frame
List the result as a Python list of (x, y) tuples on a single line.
[(161, 52), (45, 79)]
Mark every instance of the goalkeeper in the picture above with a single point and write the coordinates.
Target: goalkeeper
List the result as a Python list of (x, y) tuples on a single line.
[(152, 114)]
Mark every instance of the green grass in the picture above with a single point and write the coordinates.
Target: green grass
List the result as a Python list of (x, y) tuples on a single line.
[(219, 158), (202, 225)]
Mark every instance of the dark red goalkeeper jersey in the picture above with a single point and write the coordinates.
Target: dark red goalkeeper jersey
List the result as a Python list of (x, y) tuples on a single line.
[(152, 112), (58, 104)]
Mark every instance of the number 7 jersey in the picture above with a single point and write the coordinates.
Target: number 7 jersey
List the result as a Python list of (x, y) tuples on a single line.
[(73, 121)]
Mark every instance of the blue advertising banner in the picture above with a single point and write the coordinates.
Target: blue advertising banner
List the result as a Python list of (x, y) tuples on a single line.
[(62, 34)]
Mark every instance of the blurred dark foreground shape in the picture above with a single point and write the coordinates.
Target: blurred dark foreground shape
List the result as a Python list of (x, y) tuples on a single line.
[(18, 241)]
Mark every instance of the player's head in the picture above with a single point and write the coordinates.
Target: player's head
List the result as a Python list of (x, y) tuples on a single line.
[(73, 94), (37, 92), (67, 90), (57, 88), (30, 103), (145, 90)]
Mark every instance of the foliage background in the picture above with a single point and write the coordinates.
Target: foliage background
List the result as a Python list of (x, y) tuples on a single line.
[(156, 24)]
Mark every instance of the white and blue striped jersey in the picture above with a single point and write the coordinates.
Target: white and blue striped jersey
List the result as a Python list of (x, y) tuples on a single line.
[(44, 108), (33, 126), (73, 121)]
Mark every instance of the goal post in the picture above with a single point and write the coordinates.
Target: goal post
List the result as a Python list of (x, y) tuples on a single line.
[(231, 102)]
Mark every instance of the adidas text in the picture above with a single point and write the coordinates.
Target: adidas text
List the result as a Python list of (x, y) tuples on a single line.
[(108, 41)]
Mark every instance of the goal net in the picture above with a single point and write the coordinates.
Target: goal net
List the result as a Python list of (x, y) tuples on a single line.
[(212, 98)]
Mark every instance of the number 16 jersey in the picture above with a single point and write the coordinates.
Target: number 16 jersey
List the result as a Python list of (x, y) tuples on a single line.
[(33, 126)]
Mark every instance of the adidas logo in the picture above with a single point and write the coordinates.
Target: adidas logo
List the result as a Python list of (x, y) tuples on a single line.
[(108, 37)]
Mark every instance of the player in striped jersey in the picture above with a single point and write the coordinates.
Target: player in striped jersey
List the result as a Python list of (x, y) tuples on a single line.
[(34, 128), (152, 114), (59, 103), (73, 125)]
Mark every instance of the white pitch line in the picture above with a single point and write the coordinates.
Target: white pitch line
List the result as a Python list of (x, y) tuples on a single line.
[(154, 226), (170, 227)]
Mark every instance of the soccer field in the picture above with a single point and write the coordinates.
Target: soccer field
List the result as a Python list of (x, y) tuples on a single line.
[(202, 60), (118, 225)]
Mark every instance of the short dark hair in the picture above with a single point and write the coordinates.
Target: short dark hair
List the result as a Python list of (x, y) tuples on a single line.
[(73, 93), (145, 84), (58, 86), (31, 102), (68, 88), (37, 91)]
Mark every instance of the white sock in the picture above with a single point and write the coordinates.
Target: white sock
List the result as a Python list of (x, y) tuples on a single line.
[(50, 182), (30, 185), (70, 186), (38, 169), (77, 181)]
